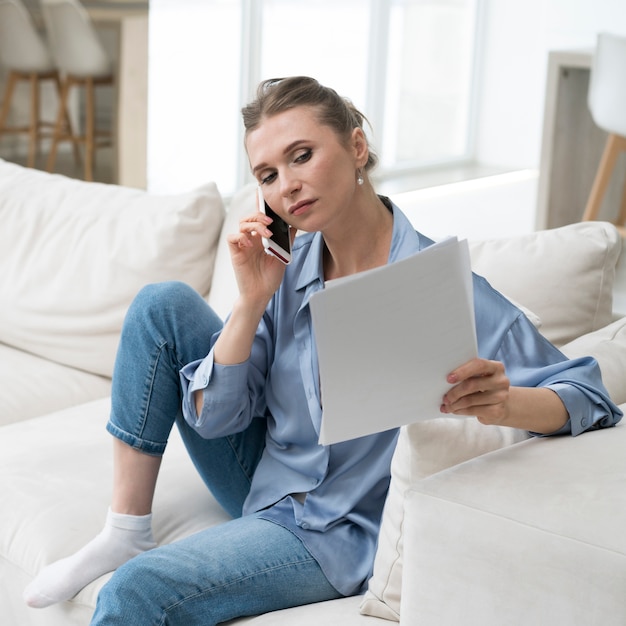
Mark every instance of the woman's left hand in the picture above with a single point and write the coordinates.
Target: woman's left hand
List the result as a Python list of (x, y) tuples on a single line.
[(481, 388)]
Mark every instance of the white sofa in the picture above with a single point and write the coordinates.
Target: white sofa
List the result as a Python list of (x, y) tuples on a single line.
[(482, 525)]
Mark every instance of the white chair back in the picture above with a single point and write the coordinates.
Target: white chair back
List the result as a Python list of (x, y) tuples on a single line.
[(74, 44), (607, 88), (21, 47)]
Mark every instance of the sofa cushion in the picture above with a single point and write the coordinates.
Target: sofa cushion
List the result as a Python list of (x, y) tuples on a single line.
[(564, 275), (52, 386), (74, 254), (55, 487), (424, 448)]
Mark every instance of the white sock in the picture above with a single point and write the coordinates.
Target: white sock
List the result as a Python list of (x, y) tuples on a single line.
[(122, 538)]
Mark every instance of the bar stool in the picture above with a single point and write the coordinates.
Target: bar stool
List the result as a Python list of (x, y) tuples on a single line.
[(607, 104), (82, 62), (26, 57)]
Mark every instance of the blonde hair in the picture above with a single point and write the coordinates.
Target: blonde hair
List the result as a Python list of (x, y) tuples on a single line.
[(276, 95)]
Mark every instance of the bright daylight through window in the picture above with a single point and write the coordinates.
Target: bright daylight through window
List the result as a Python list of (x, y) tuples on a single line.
[(407, 64)]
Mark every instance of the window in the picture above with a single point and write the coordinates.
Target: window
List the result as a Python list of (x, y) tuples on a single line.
[(427, 111), (407, 64)]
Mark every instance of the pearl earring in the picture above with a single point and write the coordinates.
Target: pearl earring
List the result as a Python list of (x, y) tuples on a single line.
[(359, 177)]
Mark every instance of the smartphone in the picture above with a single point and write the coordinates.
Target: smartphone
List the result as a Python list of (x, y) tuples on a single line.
[(279, 244)]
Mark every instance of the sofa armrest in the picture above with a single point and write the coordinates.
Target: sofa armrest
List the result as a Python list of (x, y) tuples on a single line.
[(521, 532), (423, 449)]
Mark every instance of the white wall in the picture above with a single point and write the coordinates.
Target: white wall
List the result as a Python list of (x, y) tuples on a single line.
[(517, 36)]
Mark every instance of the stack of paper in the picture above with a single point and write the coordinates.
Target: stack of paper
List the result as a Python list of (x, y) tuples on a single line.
[(388, 337)]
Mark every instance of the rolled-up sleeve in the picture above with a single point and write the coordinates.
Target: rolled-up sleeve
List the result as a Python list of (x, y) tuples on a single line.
[(532, 361), (590, 409), (505, 334), (225, 397), (232, 395)]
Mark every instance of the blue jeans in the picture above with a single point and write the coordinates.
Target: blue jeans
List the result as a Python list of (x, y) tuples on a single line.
[(244, 567)]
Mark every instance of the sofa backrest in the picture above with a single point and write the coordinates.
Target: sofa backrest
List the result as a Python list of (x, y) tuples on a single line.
[(564, 276), (74, 254)]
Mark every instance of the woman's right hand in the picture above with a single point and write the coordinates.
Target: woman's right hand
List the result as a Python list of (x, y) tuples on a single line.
[(258, 274), (258, 277)]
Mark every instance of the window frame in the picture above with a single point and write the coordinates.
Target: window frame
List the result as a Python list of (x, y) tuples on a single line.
[(380, 12)]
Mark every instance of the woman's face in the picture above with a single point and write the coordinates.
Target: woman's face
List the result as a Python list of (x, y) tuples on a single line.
[(308, 175)]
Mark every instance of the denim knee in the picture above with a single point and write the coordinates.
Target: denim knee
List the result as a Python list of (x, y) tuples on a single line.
[(128, 597), (157, 299), (167, 326), (172, 312)]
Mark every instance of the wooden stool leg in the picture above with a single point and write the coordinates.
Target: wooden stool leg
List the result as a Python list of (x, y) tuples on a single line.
[(621, 220), (8, 95), (62, 114), (603, 176), (90, 129), (67, 121), (33, 131)]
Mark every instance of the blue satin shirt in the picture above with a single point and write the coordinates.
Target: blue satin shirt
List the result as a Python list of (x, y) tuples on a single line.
[(342, 487)]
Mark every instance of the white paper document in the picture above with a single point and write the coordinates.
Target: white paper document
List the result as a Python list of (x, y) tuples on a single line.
[(388, 337)]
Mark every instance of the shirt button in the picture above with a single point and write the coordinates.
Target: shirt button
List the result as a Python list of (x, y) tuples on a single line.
[(584, 422), (305, 525)]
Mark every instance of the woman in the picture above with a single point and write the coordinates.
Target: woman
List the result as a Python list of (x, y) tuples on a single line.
[(246, 397)]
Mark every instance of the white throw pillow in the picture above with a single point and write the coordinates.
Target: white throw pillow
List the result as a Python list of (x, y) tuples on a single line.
[(564, 275), (424, 448), (608, 346), (533, 318), (74, 254)]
